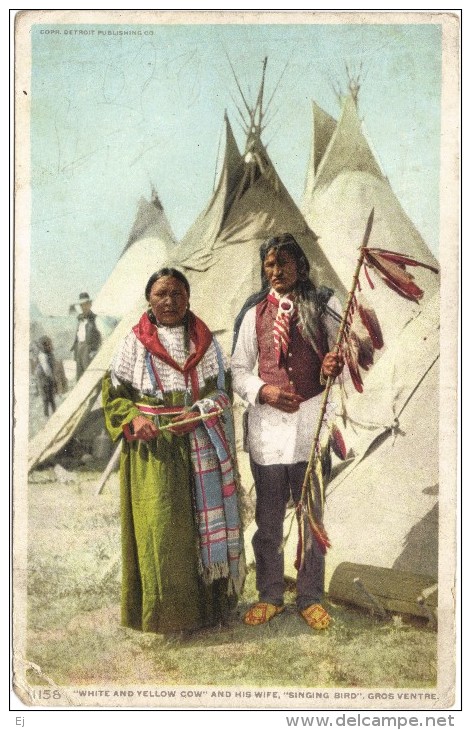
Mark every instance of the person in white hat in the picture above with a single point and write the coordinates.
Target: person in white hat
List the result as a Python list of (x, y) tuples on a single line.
[(88, 337)]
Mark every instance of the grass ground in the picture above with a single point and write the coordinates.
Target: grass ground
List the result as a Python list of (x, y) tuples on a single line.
[(74, 636)]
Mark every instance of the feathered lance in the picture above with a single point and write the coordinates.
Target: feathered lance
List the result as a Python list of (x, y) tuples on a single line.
[(307, 497), (390, 266)]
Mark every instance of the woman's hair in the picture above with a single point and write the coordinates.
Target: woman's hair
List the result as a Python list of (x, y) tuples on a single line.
[(166, 271)]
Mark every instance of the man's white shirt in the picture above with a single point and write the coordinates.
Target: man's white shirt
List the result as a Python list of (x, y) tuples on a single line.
[(275, 437)]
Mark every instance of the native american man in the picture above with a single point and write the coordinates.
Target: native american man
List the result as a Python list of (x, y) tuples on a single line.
[(288, 330)]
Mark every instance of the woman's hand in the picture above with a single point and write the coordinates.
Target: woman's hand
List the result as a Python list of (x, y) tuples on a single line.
[(332, 365), (144, 428), (284, 400), (180, 428)]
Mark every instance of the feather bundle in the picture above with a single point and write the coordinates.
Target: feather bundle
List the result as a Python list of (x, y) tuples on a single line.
[(391, 267), (359, 336), (401, 259)]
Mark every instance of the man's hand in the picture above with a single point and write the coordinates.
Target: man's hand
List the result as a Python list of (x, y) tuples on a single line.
[(332, 365), (284, 400), (181, 427), (144, 429)]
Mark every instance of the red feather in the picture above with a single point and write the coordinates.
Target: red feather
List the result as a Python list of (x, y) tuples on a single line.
[(351, 358), (411, 291), (319, 535), (365, 352), (372, 325), (362, 349), (317, 531), (368, 278), (337, 443)]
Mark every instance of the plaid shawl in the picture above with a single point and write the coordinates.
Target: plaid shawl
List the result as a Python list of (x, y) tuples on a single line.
[(215, 479)]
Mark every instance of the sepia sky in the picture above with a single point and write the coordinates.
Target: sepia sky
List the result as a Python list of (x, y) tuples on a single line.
[(114, 113)]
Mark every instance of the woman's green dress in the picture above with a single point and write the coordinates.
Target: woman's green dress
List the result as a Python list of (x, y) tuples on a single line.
[(162, 590)]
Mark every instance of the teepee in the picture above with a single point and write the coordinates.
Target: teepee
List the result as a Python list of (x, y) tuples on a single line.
[(344, 182), (65, 421), (220, 252), (147, 248), (122, 296), (382, 507)]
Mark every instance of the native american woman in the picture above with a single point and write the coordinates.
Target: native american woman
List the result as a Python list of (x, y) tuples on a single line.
[(181, 538)]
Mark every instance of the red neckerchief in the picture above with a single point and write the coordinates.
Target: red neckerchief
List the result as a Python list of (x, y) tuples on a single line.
[(200, 336)]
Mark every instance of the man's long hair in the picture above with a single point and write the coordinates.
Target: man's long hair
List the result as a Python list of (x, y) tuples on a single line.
[(306, 296)]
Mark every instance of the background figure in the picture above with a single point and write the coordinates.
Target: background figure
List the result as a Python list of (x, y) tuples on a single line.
[(88, 337), (45, 378), (60, 377)]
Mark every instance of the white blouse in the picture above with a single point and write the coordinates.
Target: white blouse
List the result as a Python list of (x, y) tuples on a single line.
[(129, 364)]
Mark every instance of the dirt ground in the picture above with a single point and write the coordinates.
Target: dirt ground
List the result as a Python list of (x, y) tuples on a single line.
[(73, 635)]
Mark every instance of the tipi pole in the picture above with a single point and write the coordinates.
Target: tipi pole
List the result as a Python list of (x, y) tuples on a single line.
[(260, 94), (109, 468)]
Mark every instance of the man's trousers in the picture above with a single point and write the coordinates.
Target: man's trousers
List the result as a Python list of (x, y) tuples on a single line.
[(274, 485)]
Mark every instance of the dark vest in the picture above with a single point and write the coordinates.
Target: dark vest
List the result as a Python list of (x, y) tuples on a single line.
[(92, 333), (300, 370)]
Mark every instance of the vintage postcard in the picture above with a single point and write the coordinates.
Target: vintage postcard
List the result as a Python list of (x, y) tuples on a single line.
[(302, 166)]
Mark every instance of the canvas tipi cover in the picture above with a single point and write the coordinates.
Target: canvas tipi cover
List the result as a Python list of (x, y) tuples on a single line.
[(382, 509), (64, 422), (122, 297), (220, 252), (344, 182), (146, 251)]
